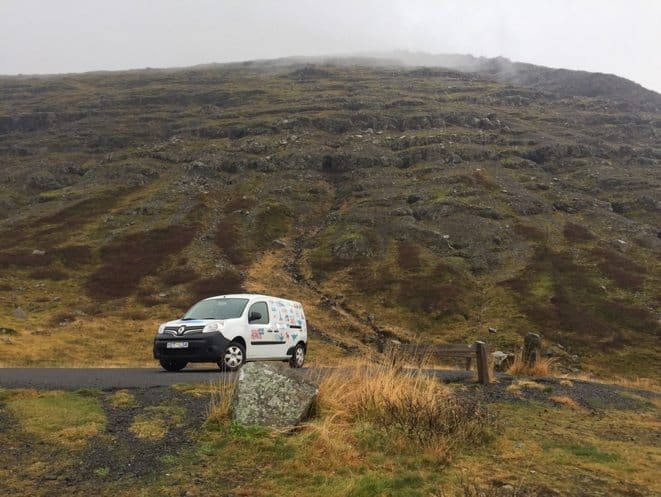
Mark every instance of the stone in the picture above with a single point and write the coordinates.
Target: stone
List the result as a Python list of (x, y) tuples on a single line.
[(502, 360), (271, 395), (493, 330), (19, 313), (38, 252)]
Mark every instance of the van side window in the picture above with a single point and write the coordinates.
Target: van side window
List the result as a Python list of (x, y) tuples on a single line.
[(262, 309)]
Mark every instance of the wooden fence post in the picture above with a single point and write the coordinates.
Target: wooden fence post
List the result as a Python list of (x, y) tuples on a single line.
[(482, 353), (532, 349)]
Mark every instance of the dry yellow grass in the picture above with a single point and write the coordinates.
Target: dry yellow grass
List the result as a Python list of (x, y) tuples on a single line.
[(515, 388), (541, 367), (221, 400), (650, 384), (155, 422), (410, 406), (566, 401), (123, 399)]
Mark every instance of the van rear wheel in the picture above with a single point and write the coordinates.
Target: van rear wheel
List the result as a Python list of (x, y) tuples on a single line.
[(233, 358), (298, 357), (173, 364)]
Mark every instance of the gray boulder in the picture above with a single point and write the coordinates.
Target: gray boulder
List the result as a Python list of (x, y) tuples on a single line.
[(502, 360), (19, 313), (272, 395)]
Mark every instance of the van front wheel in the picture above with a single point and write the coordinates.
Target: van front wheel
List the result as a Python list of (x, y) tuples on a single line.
[(173, 364), (298, 357), (233, 358)]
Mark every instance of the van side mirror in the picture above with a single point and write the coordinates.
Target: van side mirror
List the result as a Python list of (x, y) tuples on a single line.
[(254, 316)]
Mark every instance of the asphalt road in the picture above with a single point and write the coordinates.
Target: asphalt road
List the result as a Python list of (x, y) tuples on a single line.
[(113, 378), (104, 379)]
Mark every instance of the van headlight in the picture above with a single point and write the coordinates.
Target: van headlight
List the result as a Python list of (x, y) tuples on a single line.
[(211, 327), (161, 328)]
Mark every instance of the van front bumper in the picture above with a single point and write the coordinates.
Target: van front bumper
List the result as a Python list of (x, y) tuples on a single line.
[(200, 347)]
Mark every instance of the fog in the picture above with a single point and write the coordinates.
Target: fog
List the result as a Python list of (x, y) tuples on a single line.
[(46, 36)]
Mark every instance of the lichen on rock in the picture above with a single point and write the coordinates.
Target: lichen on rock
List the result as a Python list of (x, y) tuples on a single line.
[(271, 395)]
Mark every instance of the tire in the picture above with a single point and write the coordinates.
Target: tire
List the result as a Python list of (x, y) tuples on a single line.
[(233, 358), (298, 357), (173, 364)]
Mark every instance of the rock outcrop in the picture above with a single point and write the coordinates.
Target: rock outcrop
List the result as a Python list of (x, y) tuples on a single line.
[(271, 395)]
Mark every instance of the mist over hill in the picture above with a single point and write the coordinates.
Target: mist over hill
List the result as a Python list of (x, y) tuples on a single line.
[(416, 196)]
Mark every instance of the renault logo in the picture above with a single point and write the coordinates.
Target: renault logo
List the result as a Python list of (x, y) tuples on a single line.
[(181, 330)]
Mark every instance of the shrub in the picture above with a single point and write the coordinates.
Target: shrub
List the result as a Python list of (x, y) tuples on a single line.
[(444, 292), (271, 221), (408, 256), (242, 203), (178, 276), (24, 259), (135, 314), (49, 274), (61, 318), (73, 256), (225, 283), (129, 259), (557, 293), (79, 213), (577, 233), (530, 232), (411, 407), (228, 238), (624, 272)]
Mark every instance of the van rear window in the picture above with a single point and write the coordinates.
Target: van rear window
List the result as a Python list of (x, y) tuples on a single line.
[(217, 309)]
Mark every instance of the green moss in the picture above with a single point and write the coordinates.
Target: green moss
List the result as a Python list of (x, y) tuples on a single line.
[(590, 453), (61, 417), (272, 220)]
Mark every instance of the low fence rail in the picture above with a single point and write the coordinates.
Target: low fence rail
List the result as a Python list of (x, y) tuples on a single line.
[(478, 351)]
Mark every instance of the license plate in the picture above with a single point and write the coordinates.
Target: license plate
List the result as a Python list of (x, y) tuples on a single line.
[(177, 345)]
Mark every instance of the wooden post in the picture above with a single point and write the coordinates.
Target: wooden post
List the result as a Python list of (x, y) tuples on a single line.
[(532, 349), (482, 356), (381, 345), (393, 349)]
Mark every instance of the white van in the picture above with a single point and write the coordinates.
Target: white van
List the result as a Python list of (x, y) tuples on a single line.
[(232, 329)]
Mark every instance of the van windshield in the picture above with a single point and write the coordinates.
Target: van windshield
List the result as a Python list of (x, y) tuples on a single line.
[(217, 309)]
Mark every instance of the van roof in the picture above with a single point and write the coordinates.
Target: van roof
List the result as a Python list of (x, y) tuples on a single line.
[(249, 296)]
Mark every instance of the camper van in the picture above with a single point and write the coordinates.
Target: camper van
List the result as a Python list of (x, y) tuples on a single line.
[(232, 329)]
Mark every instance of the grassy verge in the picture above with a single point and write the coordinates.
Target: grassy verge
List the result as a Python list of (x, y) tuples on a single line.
[(376, 432)]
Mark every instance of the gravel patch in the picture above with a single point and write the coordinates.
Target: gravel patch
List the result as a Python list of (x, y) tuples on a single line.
[(118, 453)]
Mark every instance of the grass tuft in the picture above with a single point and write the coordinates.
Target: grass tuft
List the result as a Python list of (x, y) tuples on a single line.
[(542, 367), (220, 404), (409, 407)]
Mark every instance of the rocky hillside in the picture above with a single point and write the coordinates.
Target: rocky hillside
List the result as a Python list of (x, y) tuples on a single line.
[(425, 203)]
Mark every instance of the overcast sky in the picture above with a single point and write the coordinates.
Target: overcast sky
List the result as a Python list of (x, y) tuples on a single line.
[(54, 36)]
